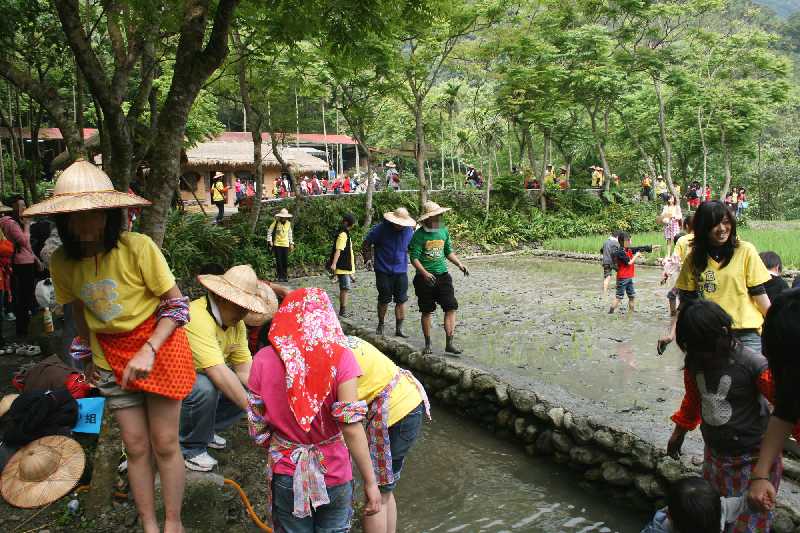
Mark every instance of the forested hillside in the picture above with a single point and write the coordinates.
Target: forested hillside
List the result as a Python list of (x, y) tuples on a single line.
[(784, 8)]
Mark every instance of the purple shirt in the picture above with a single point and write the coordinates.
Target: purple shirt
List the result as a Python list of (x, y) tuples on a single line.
[(268, 380), (391, 247)]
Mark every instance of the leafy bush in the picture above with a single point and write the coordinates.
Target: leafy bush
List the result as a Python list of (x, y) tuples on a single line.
[(513, 222)]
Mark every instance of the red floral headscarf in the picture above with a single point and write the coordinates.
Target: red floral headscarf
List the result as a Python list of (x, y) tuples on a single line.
[(309, 339)]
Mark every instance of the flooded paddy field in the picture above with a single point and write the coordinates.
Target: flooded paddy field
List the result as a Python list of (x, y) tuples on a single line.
[(545, 320)]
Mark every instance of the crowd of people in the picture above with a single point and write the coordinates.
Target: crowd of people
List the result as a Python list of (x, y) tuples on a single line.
[(176, 373), (733, 316)]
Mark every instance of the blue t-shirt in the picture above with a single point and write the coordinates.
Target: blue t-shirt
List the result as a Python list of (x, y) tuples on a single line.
[(391, 247)]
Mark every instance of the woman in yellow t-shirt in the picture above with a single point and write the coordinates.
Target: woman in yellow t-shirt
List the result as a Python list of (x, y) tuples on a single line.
[(726, 270), (397, 404), (128, 312), (218, 191)]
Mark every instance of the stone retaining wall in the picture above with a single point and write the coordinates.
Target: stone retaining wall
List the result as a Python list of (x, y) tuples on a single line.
[(609, 457)]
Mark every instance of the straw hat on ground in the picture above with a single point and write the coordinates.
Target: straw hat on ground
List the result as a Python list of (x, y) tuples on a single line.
[(400, 217), (5, 209), (270, 300), (390, 165), (431, 209), (84, 187), (239, 285), (5, 403), (283, 213), (42, 472)]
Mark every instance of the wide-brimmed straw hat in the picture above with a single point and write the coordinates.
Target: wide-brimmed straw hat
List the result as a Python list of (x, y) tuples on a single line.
[(390, 165), (239, 285), (283, 213), (5, 403), (42, 472), (5, 209), (400, 217), (270, 300), (431, 209), (84, 187)]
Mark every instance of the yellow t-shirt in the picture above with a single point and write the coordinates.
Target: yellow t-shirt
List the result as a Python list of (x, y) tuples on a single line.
[(341, 243), (218, 192), (549, 178), (377, 371), (682, 246), (120, 289), (728, 286), (283, 234), (211, 345)]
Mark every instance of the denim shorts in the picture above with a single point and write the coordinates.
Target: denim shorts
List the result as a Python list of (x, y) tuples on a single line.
[(625, 286), (334, 517), (402, 436), (345, 282)]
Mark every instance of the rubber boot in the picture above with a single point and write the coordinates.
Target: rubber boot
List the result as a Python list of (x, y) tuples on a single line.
[(379, 329), (398, 329), (428, 349), (343, 313), (451, 348)]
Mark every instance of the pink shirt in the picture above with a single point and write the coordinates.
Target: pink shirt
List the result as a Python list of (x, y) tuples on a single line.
[(21, 240), (268, 380)]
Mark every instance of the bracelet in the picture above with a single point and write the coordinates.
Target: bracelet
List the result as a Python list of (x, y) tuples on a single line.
[(150, 344), (759, 478)]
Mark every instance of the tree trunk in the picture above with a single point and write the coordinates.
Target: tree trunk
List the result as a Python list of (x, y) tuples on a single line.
[(419, 129), (545, 159), (662, 128), (705, 147), (370, 187), (600, 145), (489, 182), (651, 168), (527, 141), (726, 160), (255, 131)]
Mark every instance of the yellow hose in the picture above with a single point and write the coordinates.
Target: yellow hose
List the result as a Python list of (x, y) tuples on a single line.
[(250, 511)]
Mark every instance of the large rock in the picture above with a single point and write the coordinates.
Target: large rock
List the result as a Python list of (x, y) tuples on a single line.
[(523, 400), (783, 522), (561, 442), (643, 454), (670, 469), (501, 391), (581, 431), (540, 411), (484, 383), (519, 426), (504, 418), (466, 379), (593, 474), (530, 434), (452, 373), (586, 455), (648, 485), (556, 416), (616, 474), (544, 443), (624, 443), (605, 439)]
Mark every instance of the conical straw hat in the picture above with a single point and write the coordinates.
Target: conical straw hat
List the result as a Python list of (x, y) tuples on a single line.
[(239, 285), (400, 217), (42, 472), (283, 213), (84, 187), (5, 403), (270, 300), (431, 209)]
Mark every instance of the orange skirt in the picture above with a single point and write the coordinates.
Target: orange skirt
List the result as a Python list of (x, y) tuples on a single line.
[(173, 371)]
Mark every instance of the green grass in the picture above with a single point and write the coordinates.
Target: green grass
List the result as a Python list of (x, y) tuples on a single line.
[(783, 239)]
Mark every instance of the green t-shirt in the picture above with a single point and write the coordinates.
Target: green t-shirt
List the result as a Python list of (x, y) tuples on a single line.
[(431, 247)]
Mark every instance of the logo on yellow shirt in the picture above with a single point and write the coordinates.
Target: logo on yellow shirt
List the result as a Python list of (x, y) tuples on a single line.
[(708, 282), (101, 298)]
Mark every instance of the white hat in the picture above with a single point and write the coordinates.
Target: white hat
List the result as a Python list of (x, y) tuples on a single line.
[(400, 217), (431, 209)]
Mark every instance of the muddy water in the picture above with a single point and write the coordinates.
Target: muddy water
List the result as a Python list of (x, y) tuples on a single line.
[(458, 478), (545, 319)]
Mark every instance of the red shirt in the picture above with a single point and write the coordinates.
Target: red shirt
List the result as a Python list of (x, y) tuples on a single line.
[(626, 271)]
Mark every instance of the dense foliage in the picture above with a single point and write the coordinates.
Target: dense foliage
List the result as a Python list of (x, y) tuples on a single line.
[(513, 222)]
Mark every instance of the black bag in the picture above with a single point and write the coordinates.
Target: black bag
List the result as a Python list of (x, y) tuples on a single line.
[(38, 414)]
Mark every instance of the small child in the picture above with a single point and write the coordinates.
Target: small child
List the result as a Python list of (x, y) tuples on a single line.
[(609, 248), (673, 263), (625, 258), (342, 263), (694, 505), (777, 284)]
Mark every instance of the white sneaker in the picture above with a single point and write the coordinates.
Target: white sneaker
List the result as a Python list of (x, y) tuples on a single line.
[(217, 443), (201, 463)]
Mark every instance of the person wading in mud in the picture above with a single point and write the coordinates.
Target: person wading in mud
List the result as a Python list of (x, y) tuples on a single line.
[(429, 248), (390, 239)]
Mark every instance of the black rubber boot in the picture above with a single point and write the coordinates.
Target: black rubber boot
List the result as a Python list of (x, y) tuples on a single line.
[(379, 329), (451, 348), (398, 329)]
